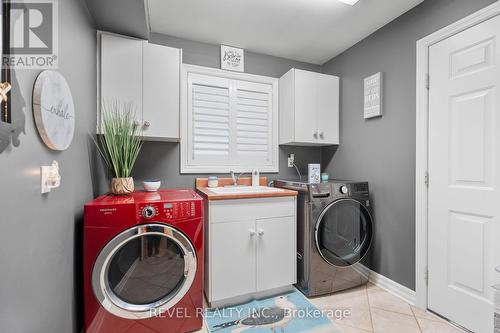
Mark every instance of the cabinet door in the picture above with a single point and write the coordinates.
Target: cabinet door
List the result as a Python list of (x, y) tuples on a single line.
[(276, 252), (232, 259), (328, 108), (121, 71), (306, 130), (161, 75)]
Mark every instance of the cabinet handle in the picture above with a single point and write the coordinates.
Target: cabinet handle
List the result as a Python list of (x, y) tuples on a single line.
[(147, 124), (261, 232), (252, 232), (315, 134), (321, 135)]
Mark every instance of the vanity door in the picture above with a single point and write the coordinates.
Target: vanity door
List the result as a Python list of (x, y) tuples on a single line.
[(276, 252), (233, 263)]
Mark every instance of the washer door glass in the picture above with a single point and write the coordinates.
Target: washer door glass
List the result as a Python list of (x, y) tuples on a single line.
[(146, 269), (143, 269), (343, 232)]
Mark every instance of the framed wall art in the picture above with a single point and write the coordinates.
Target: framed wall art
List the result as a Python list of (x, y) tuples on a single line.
[(232, 58), (54, 110), (373, 96)]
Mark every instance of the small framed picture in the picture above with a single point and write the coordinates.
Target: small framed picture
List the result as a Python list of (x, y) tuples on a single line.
[(232, 58), (314, 173)]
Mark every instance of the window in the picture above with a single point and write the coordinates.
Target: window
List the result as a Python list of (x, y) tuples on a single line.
[(229, 121)]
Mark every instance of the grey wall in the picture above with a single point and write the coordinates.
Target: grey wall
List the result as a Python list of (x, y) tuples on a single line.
[(126, 17), (160, 160), (382, 151), (40, 235), (202, 54)]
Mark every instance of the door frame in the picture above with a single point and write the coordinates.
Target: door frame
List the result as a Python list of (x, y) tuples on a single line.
[(422, 141)]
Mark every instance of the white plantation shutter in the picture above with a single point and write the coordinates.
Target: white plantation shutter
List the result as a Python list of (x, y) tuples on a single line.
[(253, 122), (228, 124), (209, 120)]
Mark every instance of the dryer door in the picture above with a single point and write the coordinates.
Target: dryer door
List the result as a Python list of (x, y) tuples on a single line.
[(343, 232), (144, 270)]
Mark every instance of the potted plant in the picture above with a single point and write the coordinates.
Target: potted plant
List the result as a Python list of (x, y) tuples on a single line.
[(119, 144)]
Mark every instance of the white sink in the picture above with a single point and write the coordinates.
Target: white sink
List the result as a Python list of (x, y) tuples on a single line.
[(244, 189)]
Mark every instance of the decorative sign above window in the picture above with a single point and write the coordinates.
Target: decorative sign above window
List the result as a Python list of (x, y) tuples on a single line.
[(373, 96), (232, 58), (54, 110)]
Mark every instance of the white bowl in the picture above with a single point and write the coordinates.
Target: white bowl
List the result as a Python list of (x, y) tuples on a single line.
[(151, 185)]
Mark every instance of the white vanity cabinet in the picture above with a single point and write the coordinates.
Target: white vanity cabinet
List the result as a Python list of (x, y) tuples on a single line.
[(133, 70), (309, 108), (250, 248)]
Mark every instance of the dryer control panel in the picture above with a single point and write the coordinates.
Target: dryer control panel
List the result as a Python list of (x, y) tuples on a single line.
[(167, 210)]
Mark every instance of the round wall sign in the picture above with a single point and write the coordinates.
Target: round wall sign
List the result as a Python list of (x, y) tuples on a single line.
[(54, 110)]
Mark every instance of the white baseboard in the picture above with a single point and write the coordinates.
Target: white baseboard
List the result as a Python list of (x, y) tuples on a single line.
[(392, 287)]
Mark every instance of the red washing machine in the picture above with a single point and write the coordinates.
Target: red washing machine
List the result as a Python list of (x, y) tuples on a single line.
[(143, 263)]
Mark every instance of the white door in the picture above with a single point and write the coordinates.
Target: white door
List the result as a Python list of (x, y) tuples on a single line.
[(161, 84), (464, 168), (121, 71), (306, 106), (276, 252), (233, 262), (328, 108)]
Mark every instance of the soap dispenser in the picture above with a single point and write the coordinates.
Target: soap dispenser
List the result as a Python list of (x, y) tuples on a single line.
[(255, 177)]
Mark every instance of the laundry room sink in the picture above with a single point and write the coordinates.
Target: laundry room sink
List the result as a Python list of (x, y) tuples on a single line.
[(244, 189)]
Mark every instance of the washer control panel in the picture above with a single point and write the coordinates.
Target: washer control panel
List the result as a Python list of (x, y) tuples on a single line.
[(343, 189), (168, 210), (178, 209), (148, 212)]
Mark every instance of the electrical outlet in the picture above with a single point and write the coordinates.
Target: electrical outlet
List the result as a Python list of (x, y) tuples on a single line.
[(291, 160)]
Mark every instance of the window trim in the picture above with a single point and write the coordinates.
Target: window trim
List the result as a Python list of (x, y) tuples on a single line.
[(185, 167)]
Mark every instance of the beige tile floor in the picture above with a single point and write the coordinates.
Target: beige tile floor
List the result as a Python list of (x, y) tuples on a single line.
[(373, 309)]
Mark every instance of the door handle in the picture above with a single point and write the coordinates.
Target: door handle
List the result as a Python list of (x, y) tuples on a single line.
[(252, 232), (261, 232)]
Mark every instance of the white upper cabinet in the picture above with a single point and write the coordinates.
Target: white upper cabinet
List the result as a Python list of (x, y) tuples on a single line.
[(148, 75), (309, 108)]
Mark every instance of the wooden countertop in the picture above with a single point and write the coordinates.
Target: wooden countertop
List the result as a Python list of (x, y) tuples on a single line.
[(203, 189)]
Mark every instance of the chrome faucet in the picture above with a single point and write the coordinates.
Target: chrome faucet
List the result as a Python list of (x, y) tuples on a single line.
[(235, 178)]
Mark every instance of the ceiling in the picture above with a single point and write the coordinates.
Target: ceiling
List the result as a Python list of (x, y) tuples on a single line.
[(312, 31)]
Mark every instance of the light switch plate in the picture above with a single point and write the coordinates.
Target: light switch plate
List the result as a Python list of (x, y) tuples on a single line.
[(44, 173), (49, 177)]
